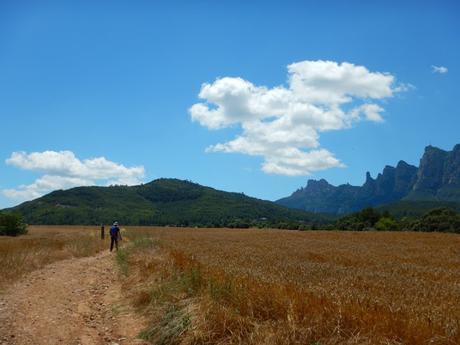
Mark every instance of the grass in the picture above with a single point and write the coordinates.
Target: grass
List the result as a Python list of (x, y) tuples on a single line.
[(138, 242), (44, 245), (278, 287), (122, 261), (170, 328)]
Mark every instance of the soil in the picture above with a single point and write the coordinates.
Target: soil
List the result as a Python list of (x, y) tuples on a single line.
[(77, 301)]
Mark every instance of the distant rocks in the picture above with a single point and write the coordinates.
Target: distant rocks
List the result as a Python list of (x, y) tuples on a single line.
[(437, 178)]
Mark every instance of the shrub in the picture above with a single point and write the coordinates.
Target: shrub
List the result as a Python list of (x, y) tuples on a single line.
[(440, 219), (385, 224), (11, 224), (362, 220)]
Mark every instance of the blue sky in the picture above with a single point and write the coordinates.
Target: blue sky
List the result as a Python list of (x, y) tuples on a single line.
[(112, 84)]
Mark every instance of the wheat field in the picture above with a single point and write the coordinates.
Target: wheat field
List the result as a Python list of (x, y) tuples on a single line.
[(291, 287), (231, 286)]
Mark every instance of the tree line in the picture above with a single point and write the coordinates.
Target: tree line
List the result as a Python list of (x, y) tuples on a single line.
[(440, 219)]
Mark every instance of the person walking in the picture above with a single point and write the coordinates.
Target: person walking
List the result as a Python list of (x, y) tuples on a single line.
[(115, 235)]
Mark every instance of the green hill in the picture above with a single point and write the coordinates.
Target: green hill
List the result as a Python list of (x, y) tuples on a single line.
[(160, 202)]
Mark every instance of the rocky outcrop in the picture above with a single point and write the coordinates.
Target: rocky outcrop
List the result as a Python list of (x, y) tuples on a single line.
[(437, 178), (431, 171)]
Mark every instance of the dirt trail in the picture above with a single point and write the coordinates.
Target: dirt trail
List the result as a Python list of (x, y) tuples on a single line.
[(71, 302)]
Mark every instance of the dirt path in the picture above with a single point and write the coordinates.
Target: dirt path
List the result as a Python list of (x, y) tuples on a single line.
[(71, 302)]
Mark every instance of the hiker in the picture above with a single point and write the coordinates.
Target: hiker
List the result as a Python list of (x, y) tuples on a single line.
[(115, 235), (102, 231)]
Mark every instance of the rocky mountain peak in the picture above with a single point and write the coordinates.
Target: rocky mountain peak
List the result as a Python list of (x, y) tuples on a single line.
[(437, 178), (431, 170), (403, 165), (429, 149), (317, 183), (369, 177)]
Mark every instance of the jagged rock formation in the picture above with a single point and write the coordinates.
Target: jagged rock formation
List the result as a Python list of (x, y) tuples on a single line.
[(436, 179)]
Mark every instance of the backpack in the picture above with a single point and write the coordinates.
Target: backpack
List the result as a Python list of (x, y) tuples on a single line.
[(114, 231)]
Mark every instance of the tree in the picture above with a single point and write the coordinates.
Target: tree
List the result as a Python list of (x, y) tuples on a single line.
[(440, 219), (11, 224), (385, 224), (362, 220)]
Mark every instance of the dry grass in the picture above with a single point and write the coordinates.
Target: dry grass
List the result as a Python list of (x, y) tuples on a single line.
[(43, 245), (217, 286)]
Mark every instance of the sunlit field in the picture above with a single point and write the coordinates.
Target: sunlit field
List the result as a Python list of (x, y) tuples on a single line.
[(287, 287), (227, 286), (43, 245)]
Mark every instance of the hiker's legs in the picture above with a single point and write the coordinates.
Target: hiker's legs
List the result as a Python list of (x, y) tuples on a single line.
[(111, 243), (116, 243)]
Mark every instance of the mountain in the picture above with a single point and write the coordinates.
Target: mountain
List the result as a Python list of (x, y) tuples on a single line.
[(438, 177), (436, 180), (160, 202)]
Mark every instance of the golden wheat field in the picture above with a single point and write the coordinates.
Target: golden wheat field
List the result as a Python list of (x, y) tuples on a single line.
[(290, 287), (222, 286)]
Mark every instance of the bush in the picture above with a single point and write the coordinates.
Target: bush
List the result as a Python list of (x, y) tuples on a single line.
[(440, 219), (362, 220), (385, 224), (11, 224)]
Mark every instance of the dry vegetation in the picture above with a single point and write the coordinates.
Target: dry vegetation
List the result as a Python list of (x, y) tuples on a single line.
[(215, 286), (43, 245), (284, 287)]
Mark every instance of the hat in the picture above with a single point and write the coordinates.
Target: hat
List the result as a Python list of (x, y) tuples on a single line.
[(115, 223)]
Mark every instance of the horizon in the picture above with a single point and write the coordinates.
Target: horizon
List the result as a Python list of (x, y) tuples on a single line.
[(217, 94), (230, 191)]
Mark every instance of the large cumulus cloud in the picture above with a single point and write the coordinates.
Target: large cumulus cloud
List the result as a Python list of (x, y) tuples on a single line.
[(282, 124)]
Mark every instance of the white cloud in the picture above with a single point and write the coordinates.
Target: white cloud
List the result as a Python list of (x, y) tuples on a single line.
[(63, 170), (282, 124), (439, 69), (371, 112), (43, 185)]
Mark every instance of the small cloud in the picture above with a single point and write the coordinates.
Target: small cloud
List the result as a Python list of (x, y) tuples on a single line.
[(439, 69), (62, 170), (371, 112)]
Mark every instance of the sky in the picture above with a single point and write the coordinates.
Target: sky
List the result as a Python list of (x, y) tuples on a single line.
[(254, 97)]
